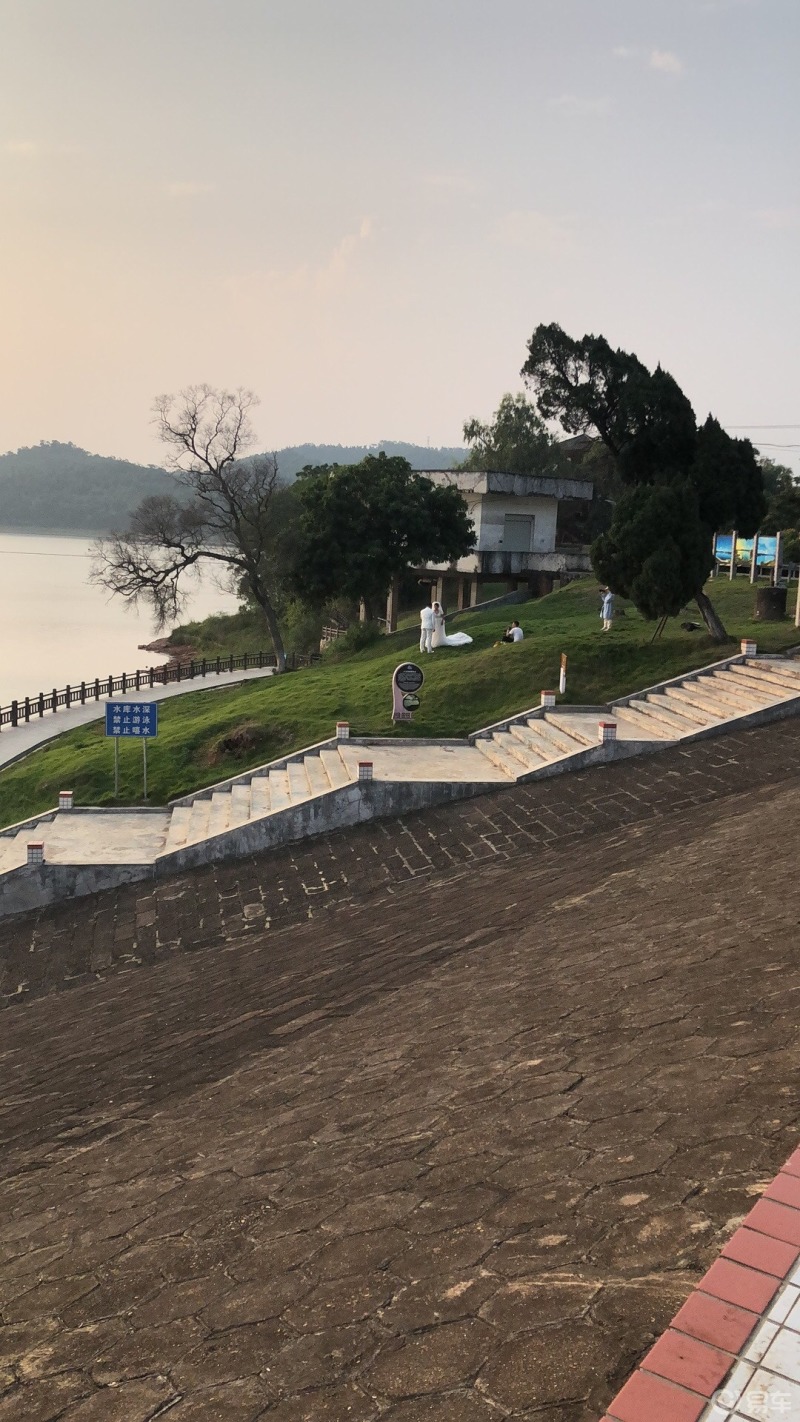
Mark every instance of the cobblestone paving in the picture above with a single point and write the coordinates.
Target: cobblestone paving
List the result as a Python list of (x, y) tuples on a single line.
[(455, 1148)]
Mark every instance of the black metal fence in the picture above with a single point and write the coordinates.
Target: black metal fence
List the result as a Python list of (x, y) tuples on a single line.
[(28, 707)]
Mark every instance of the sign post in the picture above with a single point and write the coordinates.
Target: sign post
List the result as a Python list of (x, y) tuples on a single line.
[(406, 682), (137, 720), (562, 677)]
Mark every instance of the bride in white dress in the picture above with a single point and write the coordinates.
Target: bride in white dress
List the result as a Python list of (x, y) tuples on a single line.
[(439, 639)]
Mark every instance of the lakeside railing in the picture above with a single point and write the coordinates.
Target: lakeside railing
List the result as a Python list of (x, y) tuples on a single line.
[(27, 708)]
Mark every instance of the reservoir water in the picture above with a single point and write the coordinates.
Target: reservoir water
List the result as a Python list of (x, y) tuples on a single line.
[(57, 627)]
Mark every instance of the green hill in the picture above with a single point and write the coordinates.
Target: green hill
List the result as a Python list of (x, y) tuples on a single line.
[(60, 486), (207, 735)]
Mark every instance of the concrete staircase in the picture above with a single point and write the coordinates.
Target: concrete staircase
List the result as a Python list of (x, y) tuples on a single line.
[(239, 802), (317, 790), (711, 698)]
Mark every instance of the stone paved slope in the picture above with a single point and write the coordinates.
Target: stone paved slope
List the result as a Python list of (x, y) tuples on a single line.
[(456, 1150)]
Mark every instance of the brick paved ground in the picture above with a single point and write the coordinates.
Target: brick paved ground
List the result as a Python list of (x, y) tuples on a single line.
[(455, 1148)]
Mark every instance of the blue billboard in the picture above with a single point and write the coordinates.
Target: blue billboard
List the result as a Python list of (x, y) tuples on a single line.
[(132, 718)]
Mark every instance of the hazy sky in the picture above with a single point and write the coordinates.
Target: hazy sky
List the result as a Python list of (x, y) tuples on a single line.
[(362, 208)]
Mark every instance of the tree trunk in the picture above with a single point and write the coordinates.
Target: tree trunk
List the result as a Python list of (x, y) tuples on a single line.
[(274, 629), (711, 617)]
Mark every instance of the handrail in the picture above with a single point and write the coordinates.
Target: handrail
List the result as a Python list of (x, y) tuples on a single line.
[(23, 709)]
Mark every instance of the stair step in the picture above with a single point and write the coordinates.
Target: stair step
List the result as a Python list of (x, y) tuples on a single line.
[(515, 747), (582, 738), (259, 797), (651, 725), (541, 741), (488, 746), (747, 696), (178, 830), (299, 788), (563, 739), (279, 796), (757, 688), (655, 707), (220, 817), (240, 805), (318, 780), (702, 710), (198, 820), (770, 676), (784, 666), (540, 748), (335, 768)]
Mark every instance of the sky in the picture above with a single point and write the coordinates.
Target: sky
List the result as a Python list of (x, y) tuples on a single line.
[(361, 209)]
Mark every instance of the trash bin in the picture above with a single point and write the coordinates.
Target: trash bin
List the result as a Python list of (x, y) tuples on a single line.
[(770, 605)]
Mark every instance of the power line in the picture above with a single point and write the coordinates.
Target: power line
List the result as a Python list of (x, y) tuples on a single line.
[(761, 427)]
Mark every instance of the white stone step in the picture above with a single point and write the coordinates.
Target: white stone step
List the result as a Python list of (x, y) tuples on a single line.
[(220, 817), (778, 683), (259, 797), (650, 726), (279, 796), (299, 788), (656, 707), (179, 822), (335, 767), (508, 764), (198, 820), (563, 740), (240, 805), (703, 710), (515, 747), (735, 690), (787, 667), (542, 749), (540, 737), (318, 780), (582, 729)]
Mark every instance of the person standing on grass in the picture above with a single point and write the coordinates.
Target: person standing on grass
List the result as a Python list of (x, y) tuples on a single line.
[(607, 609), (427, 623)]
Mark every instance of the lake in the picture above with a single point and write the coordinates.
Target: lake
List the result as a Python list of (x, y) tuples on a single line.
[(58, 628)]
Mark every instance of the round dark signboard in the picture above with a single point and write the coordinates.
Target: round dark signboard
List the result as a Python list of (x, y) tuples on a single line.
[(409, 677), (411, 702)]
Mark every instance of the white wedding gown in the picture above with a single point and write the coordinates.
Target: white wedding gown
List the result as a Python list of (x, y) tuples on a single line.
[(458, 639)]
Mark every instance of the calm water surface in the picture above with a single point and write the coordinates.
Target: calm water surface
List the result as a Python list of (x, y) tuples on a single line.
[(56, 627)]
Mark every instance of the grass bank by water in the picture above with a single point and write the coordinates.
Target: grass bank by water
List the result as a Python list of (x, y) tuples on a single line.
[(208, 735)]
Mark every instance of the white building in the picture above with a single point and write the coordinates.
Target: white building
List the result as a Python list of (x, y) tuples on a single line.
[(515, 518)]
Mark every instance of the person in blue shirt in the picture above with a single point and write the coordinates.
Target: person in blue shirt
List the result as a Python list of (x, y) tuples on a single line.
[(607, 608)]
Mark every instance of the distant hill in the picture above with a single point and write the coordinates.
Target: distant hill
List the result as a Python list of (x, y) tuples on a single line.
[(60, 486)]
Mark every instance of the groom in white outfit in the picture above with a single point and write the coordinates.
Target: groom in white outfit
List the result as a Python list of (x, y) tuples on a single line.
[(426, 629)]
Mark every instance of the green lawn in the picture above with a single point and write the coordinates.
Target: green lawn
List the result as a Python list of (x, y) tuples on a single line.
[(208, 735)]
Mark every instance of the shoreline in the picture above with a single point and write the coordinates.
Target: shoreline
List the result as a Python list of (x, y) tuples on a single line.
[(183, 653)]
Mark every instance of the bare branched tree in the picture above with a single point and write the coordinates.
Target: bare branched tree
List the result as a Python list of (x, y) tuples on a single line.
[(227, 522)]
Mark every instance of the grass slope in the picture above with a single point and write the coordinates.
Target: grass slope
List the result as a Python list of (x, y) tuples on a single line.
[(464, 689)]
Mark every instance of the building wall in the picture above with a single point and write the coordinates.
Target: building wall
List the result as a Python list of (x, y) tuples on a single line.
[(488, 512)]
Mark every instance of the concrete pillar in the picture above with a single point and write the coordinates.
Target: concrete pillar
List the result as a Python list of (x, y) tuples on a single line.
[(462, 594), (754, 560), (392, 605), (439, 592), (474, 592), (732, 573), (362, 610), (776, 571)]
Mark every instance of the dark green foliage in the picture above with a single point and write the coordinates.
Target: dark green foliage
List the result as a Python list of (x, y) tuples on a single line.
[(728, 480), (516, 441), (657, 551), (648, 425), (783, 498), (363, 524)]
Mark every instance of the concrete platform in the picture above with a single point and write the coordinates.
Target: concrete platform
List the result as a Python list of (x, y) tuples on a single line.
[(407, 760)]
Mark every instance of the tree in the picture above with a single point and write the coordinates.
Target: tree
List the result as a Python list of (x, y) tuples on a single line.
[(783, 498), (656, 552), (233, 518), (363, 524), (516, 441), (648, 425)]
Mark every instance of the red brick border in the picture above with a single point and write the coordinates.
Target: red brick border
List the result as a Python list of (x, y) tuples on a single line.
[(691, 1360)]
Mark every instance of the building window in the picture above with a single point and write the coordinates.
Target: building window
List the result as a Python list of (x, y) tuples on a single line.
[(518, 533)]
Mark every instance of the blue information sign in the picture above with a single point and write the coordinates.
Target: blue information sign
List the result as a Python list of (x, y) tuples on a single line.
[(132, 718)]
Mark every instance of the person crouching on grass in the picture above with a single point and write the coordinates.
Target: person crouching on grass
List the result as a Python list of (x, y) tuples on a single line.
[(514, 633)]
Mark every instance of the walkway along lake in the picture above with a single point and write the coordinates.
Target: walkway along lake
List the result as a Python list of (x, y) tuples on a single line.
[(57, 627)]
